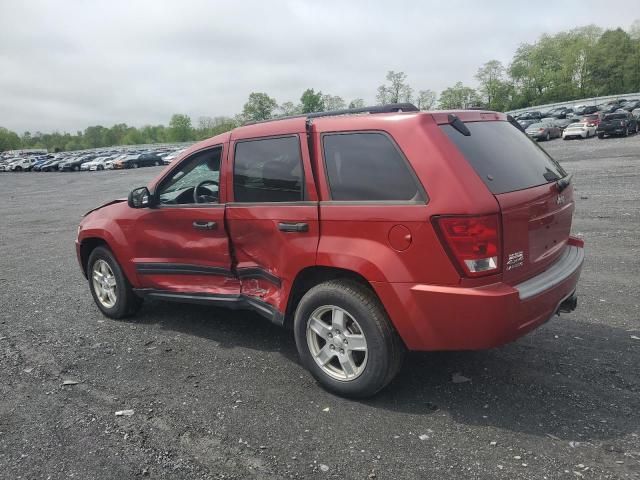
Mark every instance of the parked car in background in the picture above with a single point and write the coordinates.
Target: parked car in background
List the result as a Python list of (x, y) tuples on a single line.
[(562, 123), (543, 131), (559, 112), (172, 156), (95, 163), (22, 164), (108, 165), (99, 164), (592, 120), (618, 124), (75, 164), (52, 165), (584, 110), (5, 165), (579, 130), (631, 105), (138, 160)]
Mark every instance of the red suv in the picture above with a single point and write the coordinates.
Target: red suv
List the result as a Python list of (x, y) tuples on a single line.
[(370, 233)]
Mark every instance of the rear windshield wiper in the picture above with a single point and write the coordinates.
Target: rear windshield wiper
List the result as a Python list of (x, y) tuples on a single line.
[(458, 124)]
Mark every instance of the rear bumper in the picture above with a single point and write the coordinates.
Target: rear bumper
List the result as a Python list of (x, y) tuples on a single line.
[(430, 317)]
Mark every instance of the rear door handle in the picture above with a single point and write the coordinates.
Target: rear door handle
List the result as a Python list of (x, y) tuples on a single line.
[(200, 225), (293, 227)]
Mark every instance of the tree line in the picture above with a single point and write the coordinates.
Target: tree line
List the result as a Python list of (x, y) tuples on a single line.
[(579, 63)]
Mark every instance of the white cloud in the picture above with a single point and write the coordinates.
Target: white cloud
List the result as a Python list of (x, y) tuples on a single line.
[(65, 65)]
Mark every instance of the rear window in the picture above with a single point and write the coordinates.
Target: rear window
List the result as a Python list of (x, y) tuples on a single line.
[(616, 116), (505, 159)]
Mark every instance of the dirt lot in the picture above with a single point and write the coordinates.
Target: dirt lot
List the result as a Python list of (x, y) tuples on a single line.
[(220, 394)]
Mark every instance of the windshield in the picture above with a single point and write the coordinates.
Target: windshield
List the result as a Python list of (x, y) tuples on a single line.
[(503, 157)]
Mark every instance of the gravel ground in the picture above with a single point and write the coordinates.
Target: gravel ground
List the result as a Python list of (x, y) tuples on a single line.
[(220, 394)]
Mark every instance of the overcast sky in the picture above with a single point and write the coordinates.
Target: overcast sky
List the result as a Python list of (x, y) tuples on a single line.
[(65, 65)]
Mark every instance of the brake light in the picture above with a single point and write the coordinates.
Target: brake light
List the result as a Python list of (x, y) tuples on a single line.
[(473, 242)]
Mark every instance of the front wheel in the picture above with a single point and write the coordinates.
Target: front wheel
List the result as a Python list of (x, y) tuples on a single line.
[(601, 136), (346, 340), (109, 287)]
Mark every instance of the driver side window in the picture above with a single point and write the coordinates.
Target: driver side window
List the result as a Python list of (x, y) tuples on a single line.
[(196, 180)]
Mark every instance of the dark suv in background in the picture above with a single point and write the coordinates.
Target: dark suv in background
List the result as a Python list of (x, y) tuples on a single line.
[(619, 124), (138, 160)]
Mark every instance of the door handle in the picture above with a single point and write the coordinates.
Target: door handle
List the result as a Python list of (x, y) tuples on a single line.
[(200, 225), (293, 227)]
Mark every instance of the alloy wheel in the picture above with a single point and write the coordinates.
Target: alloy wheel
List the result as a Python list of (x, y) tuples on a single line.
[(104, 283), (337, 343)]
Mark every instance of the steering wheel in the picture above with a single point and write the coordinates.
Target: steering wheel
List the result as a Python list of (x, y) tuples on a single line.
[(204, 198)]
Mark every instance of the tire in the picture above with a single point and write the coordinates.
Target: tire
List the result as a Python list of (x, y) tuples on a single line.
[(76, 168), (157, 163), (135, 165), (364, 319), (601, 136), (125, 302), (547, 136), (100, 167), (17, 169), (626, 132)]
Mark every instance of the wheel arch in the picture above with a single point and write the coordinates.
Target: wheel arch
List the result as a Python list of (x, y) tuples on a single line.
[(88, 245), (309, 277)]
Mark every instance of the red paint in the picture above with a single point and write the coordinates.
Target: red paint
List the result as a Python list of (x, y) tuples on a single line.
[(431, 302)]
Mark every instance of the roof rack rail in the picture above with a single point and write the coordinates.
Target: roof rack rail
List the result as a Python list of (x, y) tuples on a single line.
[(387, 108)]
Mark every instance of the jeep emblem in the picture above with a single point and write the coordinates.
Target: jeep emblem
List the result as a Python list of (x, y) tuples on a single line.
[(560, 199)]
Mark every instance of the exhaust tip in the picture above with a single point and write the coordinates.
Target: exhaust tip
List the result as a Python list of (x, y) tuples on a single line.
[(569, 304)]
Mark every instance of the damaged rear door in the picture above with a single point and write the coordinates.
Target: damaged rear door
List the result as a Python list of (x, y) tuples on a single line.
[(272, 217)]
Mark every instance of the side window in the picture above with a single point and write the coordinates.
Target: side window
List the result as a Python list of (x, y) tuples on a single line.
[(268, 170), (202, 172), (367, 167)]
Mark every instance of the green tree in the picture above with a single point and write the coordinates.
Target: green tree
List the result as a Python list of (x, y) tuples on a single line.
[(180, 129), (333, 102), (396, 90), (260, 106), (493, 89), (287, 109), (357, 103), (311, 101), (426, 99), (458, 97), (9, 140)]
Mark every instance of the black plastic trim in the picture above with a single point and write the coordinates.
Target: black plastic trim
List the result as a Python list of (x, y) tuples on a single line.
[(257, 272), (232, 301), (181, 269)]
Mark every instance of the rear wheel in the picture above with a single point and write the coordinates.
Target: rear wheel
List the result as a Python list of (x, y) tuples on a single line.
[(17, 169), (135, 165), (109, 287), (547, 137), (76, 168), (157, 163), (346, 340), (601, 135)]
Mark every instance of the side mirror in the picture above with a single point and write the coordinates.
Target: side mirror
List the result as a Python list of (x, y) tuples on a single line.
[(139, 198)]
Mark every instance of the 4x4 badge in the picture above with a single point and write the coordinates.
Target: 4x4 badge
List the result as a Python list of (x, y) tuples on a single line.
[(560, 199), (515, 260)]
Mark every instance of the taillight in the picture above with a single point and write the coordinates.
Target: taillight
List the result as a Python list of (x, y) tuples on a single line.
[(473, 242)]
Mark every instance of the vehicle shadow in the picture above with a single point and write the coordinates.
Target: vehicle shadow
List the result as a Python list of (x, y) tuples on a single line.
[(569, 380)]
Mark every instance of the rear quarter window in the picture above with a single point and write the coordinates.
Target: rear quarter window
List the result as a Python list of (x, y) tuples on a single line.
[(503, 157), (367, 166)]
